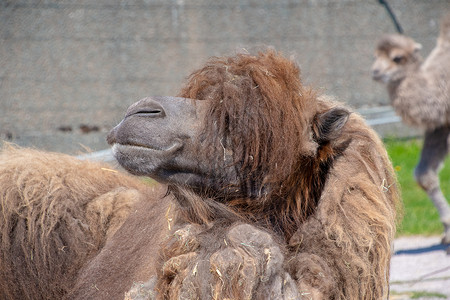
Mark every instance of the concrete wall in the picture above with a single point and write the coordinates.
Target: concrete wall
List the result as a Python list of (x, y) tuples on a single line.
[(69, 69)]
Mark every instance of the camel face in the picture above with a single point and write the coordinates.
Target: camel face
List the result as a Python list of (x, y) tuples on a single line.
[(390, 67), (395, 56), (159, 137)]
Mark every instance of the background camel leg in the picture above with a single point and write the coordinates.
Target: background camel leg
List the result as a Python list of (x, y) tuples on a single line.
[(435, 149)]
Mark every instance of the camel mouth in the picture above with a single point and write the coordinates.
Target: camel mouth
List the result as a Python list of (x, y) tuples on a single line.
[(124, 148), (377, 76), (380, 78), (155, 163)]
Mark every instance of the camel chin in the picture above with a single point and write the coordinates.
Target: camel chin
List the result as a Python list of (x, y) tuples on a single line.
[(164, 165), (144, 161)]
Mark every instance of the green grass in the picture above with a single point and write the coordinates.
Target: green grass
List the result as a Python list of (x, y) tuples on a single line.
[(416, 295), (420, 216)]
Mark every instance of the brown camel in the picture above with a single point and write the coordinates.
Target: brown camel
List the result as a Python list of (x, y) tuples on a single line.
[(272, 192)]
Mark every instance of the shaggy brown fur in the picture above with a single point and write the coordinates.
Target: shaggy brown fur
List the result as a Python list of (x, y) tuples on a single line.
[(56, 213), (325, 185), (260, 100)]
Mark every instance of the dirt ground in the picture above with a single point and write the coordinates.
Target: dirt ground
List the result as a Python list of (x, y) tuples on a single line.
[(420, 269)]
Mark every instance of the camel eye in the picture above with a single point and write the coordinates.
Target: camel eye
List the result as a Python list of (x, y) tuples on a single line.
[(398, 59)]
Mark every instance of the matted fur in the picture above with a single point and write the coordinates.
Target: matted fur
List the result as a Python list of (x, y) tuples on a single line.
[(334, 201), (56, 213)]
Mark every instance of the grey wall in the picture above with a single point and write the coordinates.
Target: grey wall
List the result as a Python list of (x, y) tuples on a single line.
[(65, 64)]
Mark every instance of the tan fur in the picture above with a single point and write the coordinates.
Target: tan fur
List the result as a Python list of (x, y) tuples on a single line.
[(56, 213), (131, 254), (419, 92), (346, 248)]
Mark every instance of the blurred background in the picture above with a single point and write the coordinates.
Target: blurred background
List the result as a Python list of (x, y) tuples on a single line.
[(69, 69)]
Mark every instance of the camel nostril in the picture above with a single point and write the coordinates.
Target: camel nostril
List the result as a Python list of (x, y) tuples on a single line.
[(151, 112), (375, 73), (147, 107)]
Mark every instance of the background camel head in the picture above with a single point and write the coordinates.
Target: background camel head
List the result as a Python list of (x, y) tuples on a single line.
[(395, 56)]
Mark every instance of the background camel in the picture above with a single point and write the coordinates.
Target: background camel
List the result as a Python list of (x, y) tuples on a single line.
[(273, 192), (420, 94)]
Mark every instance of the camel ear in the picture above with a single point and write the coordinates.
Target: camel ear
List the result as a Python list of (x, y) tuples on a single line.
[(328, 125)]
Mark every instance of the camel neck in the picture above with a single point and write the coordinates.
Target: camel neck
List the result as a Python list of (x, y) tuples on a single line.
[(393, 87)]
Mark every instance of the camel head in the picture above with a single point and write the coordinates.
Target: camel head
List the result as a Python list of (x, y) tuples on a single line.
[(254, 130), (160, 137), (395, 56)]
